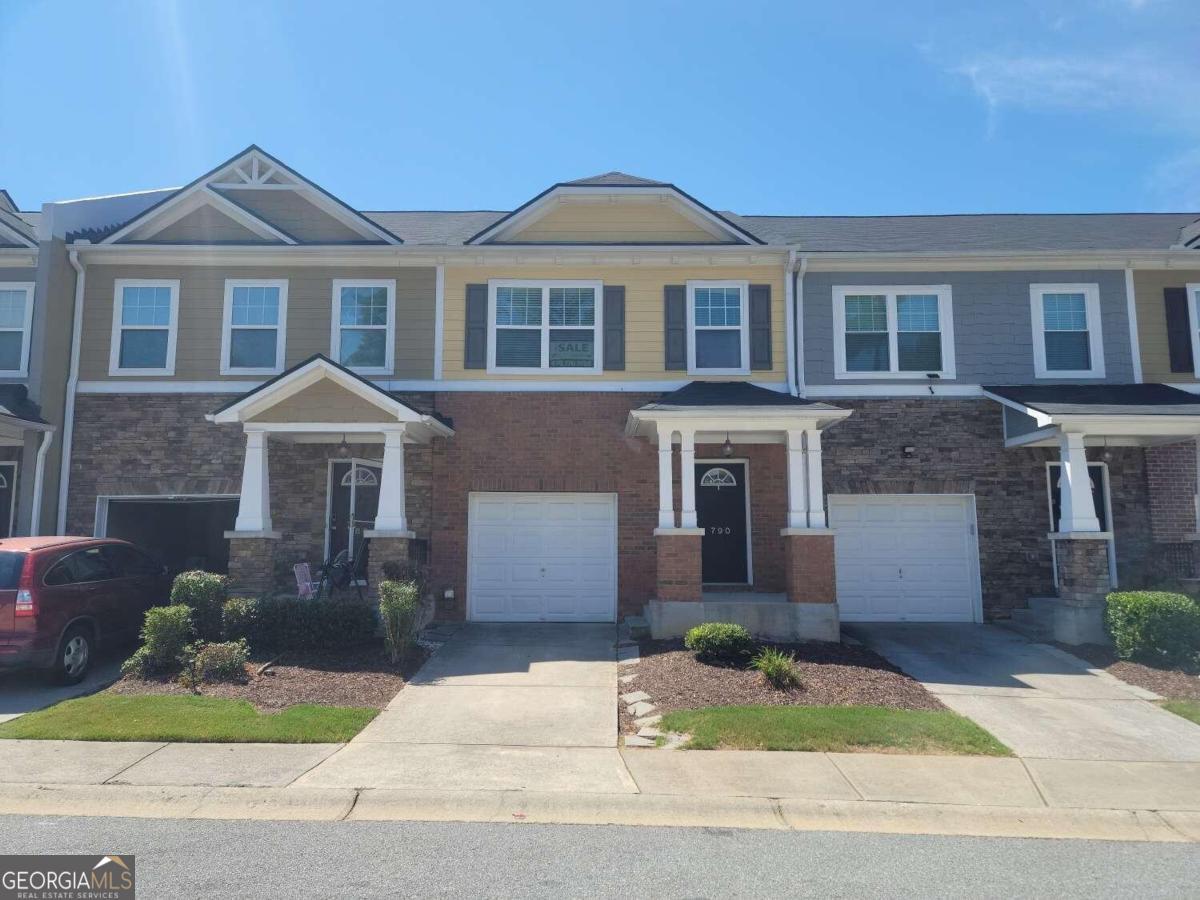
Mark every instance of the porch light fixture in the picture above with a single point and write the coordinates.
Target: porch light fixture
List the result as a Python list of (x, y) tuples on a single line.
[(343, 449), (727, 447)]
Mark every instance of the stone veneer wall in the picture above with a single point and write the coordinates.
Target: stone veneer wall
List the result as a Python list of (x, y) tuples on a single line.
[(160, 444)]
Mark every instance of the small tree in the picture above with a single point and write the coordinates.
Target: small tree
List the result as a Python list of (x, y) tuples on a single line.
[(400, 610), (204, 593)]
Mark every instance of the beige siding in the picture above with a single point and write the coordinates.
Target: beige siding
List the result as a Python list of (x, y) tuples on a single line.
[(201, 304), (575, 221), (292, 213), (202, 225), (325, 401), (643, 315), (1152, 321)]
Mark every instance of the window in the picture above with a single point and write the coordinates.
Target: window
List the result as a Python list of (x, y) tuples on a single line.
[(1067, 341), (719, 341), (540, 326), (1193, 295), (364, 338), (893, 332), (145, 322), (16, 314), (127, 562), (255, 323), (79, 568)]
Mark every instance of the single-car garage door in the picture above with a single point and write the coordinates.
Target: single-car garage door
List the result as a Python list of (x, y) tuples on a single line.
[(906, 557), (542, 557)]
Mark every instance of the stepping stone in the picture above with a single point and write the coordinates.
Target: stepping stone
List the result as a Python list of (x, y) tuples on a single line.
[(649, 733), (625, 679), (635, 741), (628, 655), (642, 708), (647, 721), (635, 697)]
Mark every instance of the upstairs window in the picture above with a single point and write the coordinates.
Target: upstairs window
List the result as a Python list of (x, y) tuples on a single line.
[(718, 322), (544, 326), (145, 324), (16, 315), (1067, 341), (364, 336), (252, 341), (893, 332)]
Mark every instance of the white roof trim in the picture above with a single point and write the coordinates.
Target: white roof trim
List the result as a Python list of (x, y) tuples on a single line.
[(750, 425), (189, 200), (545, 204), (7, 230)]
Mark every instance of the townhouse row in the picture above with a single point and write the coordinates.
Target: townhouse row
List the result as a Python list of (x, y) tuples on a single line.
[(613, 400)]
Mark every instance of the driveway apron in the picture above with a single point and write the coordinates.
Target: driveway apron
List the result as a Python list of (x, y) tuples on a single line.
[(1041, 702), (501, 707)]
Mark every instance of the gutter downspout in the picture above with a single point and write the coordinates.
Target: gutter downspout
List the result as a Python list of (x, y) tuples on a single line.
[(64, 477), (789, 314), (799, 317), (39, 479)]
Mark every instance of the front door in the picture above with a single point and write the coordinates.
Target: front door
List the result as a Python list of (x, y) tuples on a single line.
[(8, 496), (721, 512), (353, 503)]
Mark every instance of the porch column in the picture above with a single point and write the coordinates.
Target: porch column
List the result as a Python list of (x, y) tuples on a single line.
[(254, 505), (687, 478), (391, 515), (1078, 509), (797, 516), (666, 492), (816, 489)]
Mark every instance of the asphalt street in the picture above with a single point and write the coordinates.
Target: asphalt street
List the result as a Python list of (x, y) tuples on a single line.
[(189, 858)]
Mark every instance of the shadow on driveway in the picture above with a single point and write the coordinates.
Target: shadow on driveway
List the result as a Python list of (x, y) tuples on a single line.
[(31, 689)]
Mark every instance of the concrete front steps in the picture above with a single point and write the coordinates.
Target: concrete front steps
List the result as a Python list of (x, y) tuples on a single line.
[(1035, 622)]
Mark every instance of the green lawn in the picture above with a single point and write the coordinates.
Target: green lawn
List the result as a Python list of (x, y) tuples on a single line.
[(108, 717), (832, 728), (1189, 709)]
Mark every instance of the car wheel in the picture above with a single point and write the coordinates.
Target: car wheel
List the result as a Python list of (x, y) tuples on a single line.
[(74, 655)]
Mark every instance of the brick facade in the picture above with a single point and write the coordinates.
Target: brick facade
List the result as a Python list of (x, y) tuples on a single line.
[(1171, 474), (809, 568), (678, 567)]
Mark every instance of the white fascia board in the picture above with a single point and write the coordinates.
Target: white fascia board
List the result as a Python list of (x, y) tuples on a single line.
[(1038, 416), (1130, 425), (185, 201), (16, 236)]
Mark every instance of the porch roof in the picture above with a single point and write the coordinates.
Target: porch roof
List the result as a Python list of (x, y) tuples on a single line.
[(731, 393)]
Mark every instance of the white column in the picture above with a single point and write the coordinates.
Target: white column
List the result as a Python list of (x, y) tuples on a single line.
[(1196, 496), (816, 488), (666, 492), (1077, 506), (797, 487), (254, 506), (391, 513), (687, 478)]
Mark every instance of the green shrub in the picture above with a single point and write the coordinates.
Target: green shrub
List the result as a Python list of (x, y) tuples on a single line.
[(204, 593), (239, 618), (778, 668), (220, 661), (400, 611), (1155, 627), (288, 624), (719, 641), (166, 631)]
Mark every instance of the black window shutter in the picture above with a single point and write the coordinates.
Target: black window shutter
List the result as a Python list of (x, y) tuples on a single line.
[(614, 327), (760, 326), (1179, 329), (675, 319), (475, 356)]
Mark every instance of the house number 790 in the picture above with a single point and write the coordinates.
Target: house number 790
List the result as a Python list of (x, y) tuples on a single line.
[(720, 529)]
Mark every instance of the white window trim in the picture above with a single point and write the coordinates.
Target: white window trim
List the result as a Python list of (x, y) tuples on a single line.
[(335, 331), (743, 328), (1193, 305), (945, 297), (227, 326), (1091, 294), (114, 354), (26, 328), (545, 285)]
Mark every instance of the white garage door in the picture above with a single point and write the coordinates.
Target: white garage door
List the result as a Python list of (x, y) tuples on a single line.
[(542, 558), (905, 557)]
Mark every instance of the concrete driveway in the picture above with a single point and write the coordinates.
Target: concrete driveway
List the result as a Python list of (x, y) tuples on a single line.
[(499, 707), (1040, 701), (29, 690)]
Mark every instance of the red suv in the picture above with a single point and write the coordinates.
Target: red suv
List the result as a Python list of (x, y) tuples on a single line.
[(61, 597)]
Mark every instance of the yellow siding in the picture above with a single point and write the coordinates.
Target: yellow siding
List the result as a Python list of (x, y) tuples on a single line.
[(1152, 321), (324, 401), (643, 316), (574, 221)]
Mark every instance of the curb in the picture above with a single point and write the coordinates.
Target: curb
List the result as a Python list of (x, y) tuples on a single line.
[(529, 807)]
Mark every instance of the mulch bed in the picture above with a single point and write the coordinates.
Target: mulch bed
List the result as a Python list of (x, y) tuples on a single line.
[(361, 676), (1172, 684), (831, 674)]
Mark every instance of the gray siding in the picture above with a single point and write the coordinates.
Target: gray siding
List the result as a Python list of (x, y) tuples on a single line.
[(993, 334)]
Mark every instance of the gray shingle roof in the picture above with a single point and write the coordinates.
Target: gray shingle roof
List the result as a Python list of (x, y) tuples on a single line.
[(433, 227), (1101, 399), (733, 393)]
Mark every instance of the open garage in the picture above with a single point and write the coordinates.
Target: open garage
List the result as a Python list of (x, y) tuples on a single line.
[(181, 532)]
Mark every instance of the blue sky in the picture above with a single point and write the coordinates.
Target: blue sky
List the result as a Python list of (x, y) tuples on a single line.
[(765, 108)]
